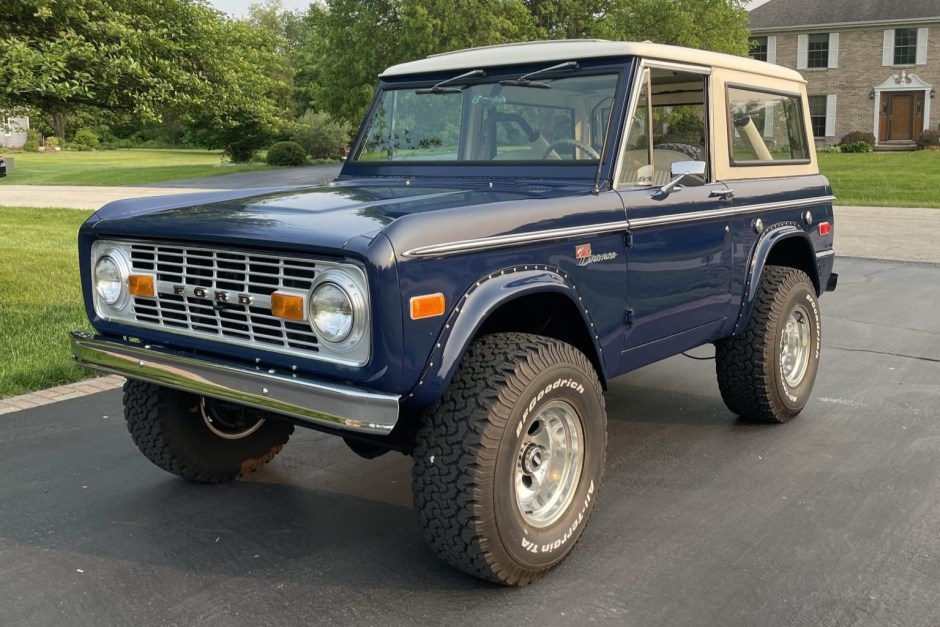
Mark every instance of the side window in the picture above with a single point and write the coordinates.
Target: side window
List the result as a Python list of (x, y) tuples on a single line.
[(667, 127), (765, 127)]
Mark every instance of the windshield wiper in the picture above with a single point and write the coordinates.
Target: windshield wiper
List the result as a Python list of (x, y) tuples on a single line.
[(440, 89), (524, 80)]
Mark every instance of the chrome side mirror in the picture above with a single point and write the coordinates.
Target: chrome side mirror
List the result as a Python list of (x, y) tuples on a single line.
[(684, 174)]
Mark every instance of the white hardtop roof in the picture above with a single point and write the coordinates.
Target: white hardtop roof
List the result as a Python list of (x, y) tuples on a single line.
[(569, 49)]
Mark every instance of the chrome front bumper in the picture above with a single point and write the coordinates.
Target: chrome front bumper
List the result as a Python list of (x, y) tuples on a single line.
[(325, 404)]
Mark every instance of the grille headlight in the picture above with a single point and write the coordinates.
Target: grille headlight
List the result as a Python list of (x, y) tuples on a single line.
[(111, 278), (337, 311), (331, 312)]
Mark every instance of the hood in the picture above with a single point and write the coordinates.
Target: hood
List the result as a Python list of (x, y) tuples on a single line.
[(310, 219)]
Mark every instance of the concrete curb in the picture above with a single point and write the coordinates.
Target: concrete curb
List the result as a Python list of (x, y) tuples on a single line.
[(60, 393)]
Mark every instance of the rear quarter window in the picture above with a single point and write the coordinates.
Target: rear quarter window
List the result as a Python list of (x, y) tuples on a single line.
[(765, 128)]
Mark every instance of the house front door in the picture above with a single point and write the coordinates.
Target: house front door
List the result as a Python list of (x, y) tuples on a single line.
[(901, 109), (901, 114)]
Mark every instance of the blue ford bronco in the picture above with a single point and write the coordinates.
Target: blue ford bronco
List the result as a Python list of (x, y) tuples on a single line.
[(515, 226)]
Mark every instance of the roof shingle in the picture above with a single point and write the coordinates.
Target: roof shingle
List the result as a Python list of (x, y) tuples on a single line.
[(790, 13)]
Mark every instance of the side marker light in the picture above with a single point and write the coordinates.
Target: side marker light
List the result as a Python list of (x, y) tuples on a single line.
[(427, 306)]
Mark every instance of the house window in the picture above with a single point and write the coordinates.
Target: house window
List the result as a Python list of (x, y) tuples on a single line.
[(905, 46), (817, 115), (818, 50), (758, 48)]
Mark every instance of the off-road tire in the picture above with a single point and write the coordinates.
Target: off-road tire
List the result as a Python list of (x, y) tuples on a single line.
[(168, 428), (468, 447), (750, 375)]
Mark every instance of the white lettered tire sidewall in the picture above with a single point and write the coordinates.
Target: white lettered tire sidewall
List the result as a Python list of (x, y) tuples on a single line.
[(529, 546)]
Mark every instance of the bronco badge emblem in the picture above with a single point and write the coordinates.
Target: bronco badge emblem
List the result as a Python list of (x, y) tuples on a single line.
[(585, 257)]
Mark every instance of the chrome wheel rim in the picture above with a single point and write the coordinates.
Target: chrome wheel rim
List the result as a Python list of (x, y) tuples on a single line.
[(221, 420), (548, 464), (794, 346)]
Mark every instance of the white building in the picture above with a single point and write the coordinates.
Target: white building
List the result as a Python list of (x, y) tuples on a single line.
[(13, 131)]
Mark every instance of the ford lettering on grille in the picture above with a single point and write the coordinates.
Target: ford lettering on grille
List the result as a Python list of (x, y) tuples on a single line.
[(224, 294)]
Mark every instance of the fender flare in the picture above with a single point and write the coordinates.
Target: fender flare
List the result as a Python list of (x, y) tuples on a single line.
[(765, 244), (478, 303)]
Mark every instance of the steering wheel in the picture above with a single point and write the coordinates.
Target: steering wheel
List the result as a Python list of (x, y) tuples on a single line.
[(566, 141)]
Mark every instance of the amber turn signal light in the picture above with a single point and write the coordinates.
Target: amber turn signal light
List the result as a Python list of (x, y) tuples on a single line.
[(427, 306), (142, 285), (287, 306)]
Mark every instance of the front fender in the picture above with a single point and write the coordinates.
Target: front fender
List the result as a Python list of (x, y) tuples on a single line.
[(762, 250), (487, 295)]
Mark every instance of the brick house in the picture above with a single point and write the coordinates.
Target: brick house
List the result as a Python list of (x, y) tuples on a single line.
[(870, 65)]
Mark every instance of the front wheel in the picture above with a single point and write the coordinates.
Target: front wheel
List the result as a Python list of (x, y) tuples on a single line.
[(767, 372), (197, 438), (509, 462)]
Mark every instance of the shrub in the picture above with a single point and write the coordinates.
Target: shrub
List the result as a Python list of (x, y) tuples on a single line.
[(928, 139), (32, 141), (858, 146), (286, 153), (85, 139), (320, 135), (858, 136), (52, 141)]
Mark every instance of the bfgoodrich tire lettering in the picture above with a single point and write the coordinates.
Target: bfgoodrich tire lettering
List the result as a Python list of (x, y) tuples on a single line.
[(767, 372), (171, 429), (470, 448)]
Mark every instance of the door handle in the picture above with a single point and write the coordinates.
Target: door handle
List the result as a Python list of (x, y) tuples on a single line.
[(724, 194)]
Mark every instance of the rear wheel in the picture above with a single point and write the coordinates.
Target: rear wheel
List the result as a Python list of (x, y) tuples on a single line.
[(767, 372), (508, 463), (198, 438)]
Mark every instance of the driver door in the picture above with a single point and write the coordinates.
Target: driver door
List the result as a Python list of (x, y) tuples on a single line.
[(679, 263)]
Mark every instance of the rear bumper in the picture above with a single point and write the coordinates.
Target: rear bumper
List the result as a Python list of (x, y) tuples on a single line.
[(318, 403)]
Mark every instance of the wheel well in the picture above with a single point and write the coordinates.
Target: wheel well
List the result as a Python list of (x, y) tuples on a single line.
[(547, 314), (795, 252)]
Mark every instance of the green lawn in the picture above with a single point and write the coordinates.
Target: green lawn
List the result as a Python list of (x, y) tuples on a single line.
[(118, 167), (40, 298), (884, 179)]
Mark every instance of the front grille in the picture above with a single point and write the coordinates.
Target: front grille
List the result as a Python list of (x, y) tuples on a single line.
[(191, 282)]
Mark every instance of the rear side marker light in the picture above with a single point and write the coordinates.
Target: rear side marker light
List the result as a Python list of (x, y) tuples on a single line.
[(288, 306), (825, 228), (427, 306), (142, 285)]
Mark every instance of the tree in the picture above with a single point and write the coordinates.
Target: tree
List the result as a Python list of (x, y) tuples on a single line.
[(719, 25), (397, 31), (140, 56), (339, 74)]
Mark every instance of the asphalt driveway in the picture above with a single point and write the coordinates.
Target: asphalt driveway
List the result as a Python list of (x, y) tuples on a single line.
[(832, 519)]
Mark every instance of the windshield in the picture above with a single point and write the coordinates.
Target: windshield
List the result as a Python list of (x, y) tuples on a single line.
[(492, 122)]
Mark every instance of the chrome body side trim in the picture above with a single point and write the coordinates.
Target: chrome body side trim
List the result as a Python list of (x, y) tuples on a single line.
[(318, 403), (500, 241), (825, 253)]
